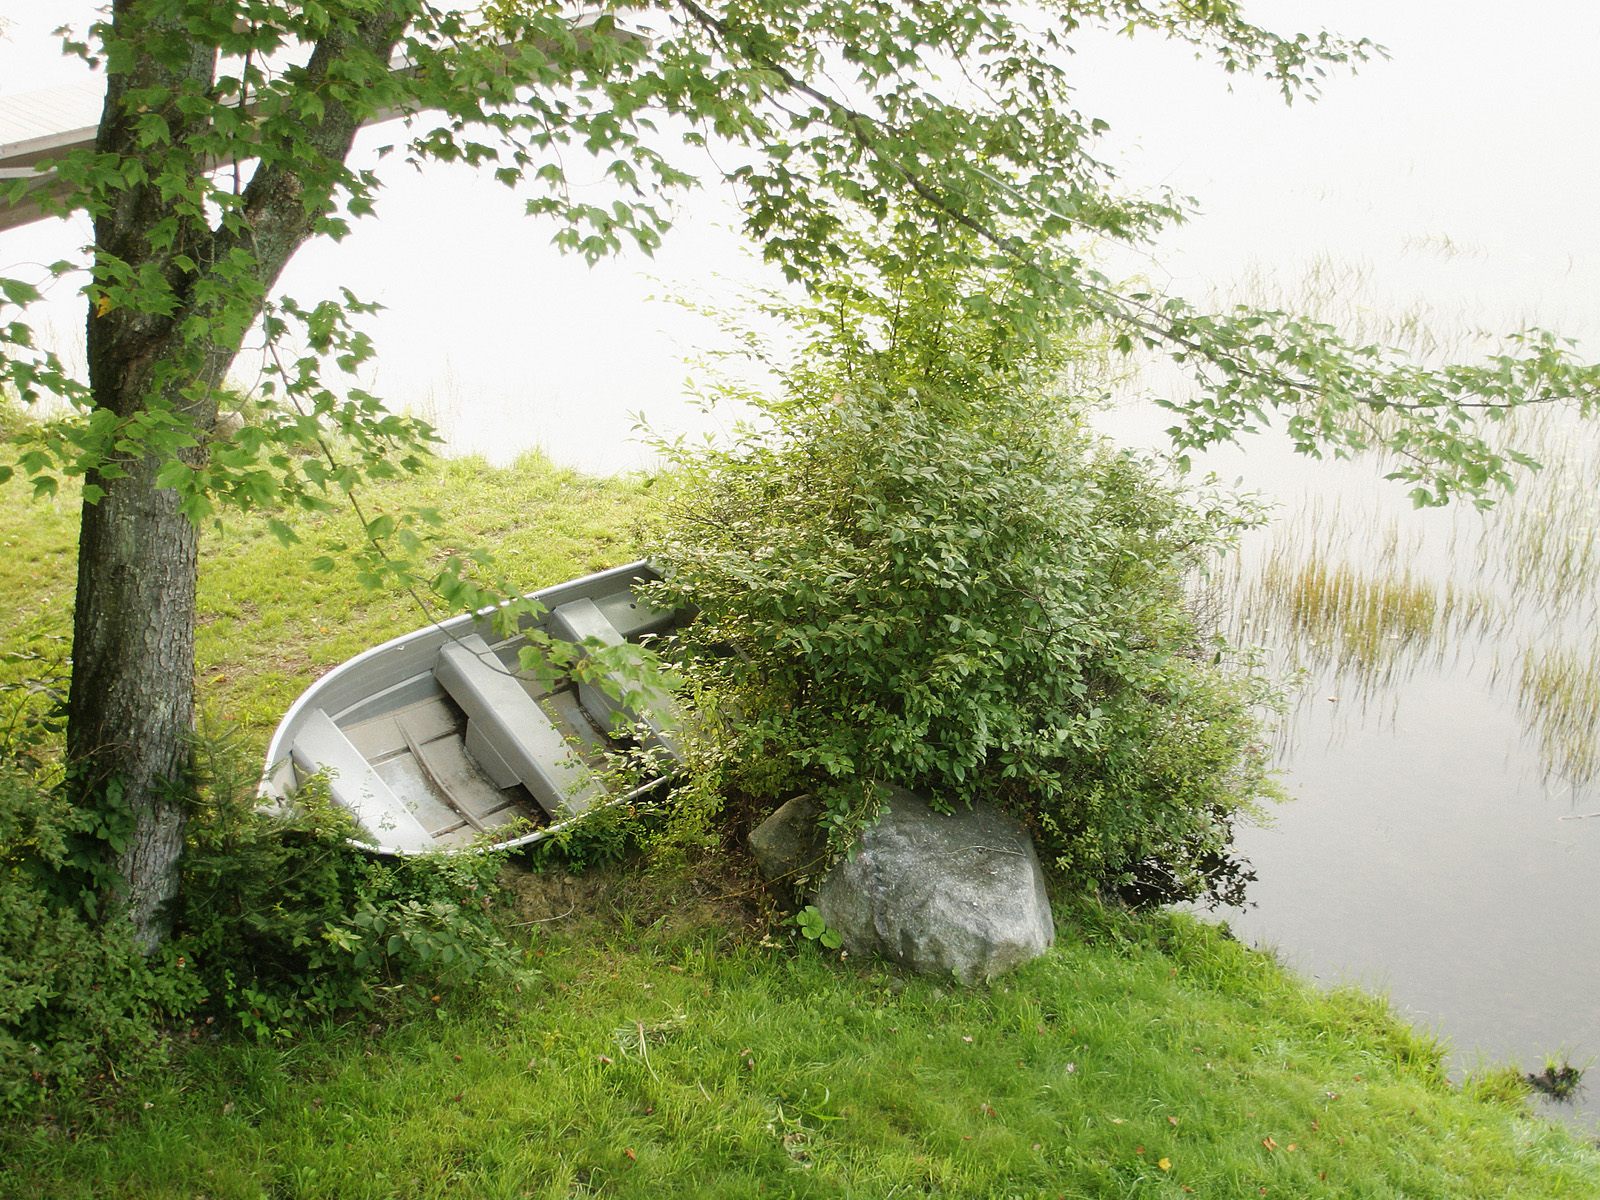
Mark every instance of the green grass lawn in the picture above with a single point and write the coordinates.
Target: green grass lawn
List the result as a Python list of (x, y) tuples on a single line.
[(268, 624), (671, 1042), (664, 1050)]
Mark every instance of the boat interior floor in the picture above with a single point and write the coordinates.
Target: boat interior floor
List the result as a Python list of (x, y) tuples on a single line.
[(420, 752)]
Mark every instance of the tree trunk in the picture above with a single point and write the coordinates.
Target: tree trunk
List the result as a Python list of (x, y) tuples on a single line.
[(132, 695), (131, 702), (170, 305)]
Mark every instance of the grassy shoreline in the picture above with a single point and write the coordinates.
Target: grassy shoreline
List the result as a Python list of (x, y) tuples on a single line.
[(671, 1045)]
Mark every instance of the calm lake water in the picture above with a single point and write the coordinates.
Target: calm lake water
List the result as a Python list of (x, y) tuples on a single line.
[(1444, 841), (1440, 846)]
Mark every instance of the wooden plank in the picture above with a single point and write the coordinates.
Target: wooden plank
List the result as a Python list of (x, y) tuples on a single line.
[(463, 784), (381, 738), (377, 739), (462, 835), (50, 121), (429, 719), (42, 126), (509, 815), (438, 777)]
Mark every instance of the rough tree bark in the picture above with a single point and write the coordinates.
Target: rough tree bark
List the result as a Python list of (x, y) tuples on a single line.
[(131, 699)]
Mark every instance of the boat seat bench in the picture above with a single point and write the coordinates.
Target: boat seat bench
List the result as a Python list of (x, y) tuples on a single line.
[(320, 745), (507, 732), (582, 620)]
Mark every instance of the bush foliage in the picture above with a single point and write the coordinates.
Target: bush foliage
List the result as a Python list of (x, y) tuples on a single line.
[(285, 923), (922, 567), (281, 925), (75, 995)]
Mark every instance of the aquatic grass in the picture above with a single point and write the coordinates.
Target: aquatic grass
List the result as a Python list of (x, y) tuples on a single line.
[(1441, 245), (1355, 588), (1346, 294), (1331, 595), (1369, 622), (1544, 543), (1559, 694)]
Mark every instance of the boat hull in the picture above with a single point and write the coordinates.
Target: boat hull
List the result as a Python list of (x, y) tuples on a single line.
[(417, 763)]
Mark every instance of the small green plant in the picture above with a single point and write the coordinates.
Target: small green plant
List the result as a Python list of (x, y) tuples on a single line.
[(1559, 1080), (815, 928), (1504, 1085), (78, 1001), (33, 699)]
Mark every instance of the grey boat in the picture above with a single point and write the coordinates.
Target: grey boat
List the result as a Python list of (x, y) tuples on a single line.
[(438, 741)]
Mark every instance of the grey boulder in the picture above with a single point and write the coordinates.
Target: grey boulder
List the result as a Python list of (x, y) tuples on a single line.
[(942, 894), (790, 849)]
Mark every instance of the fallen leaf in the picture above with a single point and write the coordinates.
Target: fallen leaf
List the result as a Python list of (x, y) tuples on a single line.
[(631, 1156), (1172, 1120), (1269, 1143)]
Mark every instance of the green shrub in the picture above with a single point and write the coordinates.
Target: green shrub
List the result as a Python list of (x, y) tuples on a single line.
[(77, 1000), (286, 923), (280, 924), (922, 567)]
